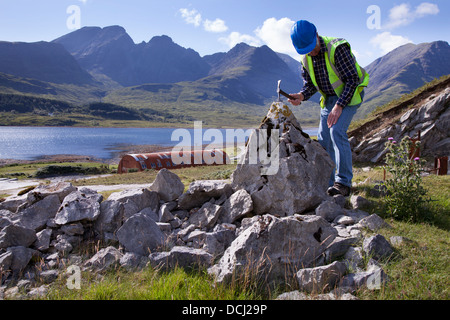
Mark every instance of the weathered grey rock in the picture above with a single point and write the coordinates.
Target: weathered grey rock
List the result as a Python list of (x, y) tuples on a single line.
[(5, 218), (104, 259), (377, 247), (5, 261), (275, 248), (201, 191), (206, 216), (140, 234), (21, 256), (220, 239), (110, 218), (344, 220), (150, 213), (298, 185), (63, 246), (353, 258), (197, 237), (359, 202), (39, 292), (48, 276), (140, 198), (164, 213), (79, 206), (374, 222), (338, 247), (134, 261), (36, 215), (60, 189), (13, 203), (73, 229), (42, 242), (14, 235), (329, 210), (183, 257), (237, 206), (372, 279), (432, 118), (356, 215), (399, 241), (168, 185), (321, 279)]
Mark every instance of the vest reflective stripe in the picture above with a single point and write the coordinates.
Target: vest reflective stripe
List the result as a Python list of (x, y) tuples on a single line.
[(333, 75)]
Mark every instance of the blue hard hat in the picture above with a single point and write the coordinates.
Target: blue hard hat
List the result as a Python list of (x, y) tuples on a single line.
[(303, 35)]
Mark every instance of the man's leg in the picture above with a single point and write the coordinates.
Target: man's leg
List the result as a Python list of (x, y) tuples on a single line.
[(341, 145), (324, 135)]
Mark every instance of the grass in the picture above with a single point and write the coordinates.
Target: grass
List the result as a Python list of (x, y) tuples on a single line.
[(26, 171), (149, 284), (187, 175)]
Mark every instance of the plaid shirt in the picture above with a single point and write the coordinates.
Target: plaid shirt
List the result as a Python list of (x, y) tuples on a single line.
[(346, 68)]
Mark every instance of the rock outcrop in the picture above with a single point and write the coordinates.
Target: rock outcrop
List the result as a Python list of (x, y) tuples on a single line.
[(247, 228), (432, 119)]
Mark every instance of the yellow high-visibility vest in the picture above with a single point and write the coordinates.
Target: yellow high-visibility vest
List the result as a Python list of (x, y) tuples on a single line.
[(333, 75)]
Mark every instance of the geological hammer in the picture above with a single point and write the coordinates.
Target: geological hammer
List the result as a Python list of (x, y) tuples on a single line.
[(279, 91)]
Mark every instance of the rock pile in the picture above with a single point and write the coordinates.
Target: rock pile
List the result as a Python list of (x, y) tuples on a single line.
[(280, 230), (433, 121)]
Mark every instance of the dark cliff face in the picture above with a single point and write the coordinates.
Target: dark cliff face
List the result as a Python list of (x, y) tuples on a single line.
[(112, 52), (42, 61)]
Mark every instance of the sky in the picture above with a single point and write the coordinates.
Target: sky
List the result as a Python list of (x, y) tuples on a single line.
[(372, 27)]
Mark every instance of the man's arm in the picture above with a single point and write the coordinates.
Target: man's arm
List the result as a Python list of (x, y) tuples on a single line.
[(346, 68), (307, 91)]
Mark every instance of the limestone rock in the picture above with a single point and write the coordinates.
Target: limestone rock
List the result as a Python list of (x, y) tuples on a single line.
[(206, 216), (237, 206), (13, 235), (202, 191), (36, 215), (297, 182), (275, 248), (321, 279), (168, 185), (183, 257), (79, 206), (140, 234), (377, 247), (104, 259)]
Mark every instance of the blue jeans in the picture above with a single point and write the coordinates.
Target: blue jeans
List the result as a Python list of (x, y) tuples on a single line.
[(335, 141)]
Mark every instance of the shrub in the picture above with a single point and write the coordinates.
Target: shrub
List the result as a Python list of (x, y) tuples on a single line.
[(405, 193)]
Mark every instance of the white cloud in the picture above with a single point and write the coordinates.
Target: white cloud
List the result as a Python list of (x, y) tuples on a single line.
[(235, 37), (195, 18), (402, 15), (426, 8), (191, 16), (276, 34), (387, 42), (215, 26)]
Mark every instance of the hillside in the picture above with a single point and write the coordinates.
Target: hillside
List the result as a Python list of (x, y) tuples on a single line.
[(403, 70), (424, 112), (43, 61), (96, 64)]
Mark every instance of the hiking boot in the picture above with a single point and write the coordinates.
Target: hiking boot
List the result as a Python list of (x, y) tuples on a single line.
[(338, 188)]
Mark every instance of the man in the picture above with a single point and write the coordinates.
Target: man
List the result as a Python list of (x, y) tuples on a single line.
[(330, 68)]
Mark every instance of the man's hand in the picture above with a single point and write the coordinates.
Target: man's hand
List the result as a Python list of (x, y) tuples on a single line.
[(334, 115), (298, 99)]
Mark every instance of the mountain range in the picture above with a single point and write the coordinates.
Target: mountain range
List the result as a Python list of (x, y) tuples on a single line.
[(104, 64)]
